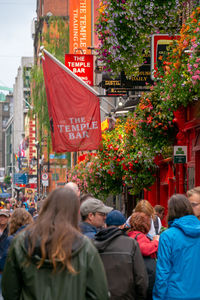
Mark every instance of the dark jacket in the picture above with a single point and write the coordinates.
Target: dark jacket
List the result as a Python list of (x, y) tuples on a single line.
[(7, 243), (23, 280), (4, 244), (149, 250), (124, 265), (87, 229)]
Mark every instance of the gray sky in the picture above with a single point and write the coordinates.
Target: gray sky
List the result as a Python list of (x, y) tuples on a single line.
[(15, 36)]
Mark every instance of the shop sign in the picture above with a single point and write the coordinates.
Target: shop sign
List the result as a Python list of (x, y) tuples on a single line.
[(180, 154), (142, 78), (20, 178), (81, 65), (159, 44), (116, 92), (57, 156), (29, 191), (80, 12), (113, 86)]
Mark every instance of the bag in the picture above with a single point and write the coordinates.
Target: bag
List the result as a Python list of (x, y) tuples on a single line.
[(156, 224), (150, 264)]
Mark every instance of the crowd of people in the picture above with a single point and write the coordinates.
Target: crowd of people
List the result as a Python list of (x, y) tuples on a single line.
[(73, 246)]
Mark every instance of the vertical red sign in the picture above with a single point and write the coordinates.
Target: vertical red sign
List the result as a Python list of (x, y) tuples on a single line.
[(81, 65), (80, 25)]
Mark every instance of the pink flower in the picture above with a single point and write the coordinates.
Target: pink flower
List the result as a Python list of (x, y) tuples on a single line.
[(174, 85), (196, 66), (196, 77)]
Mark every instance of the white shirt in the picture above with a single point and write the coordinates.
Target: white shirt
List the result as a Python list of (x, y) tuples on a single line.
[(152, 231)]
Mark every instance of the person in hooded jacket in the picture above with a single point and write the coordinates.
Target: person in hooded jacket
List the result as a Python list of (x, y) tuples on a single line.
[(178, 265), (51, 259), (122, 259)]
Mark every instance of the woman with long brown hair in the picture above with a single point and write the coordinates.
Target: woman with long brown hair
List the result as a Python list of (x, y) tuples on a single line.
[(52, 259), (146, 207)]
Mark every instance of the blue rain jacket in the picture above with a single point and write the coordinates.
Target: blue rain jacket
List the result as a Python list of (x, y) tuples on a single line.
[(178, 265)]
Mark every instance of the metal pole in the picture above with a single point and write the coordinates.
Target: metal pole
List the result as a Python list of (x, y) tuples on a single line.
[(87, 86), (40, 163), (37, 146), (12, 162)]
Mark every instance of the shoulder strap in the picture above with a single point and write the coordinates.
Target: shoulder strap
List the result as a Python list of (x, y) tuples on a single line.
[(156, 225), (135, 238)]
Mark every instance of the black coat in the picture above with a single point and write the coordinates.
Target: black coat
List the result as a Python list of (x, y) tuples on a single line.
[(4, 244), (123, 263)]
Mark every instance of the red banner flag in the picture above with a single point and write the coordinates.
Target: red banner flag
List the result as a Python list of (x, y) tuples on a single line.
[(74, 109)]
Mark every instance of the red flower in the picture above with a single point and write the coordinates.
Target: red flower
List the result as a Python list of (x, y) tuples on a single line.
[(124, 167)]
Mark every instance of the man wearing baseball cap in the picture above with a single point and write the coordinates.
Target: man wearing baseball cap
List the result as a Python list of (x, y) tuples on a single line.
[(93, 213)]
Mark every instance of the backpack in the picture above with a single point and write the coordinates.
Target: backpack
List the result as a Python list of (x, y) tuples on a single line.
[(150, 264)]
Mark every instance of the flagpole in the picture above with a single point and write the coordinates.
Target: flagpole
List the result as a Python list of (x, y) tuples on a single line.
[(87, 86)]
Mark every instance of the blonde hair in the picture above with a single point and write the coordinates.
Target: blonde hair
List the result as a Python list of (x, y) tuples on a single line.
[(19, 218), (193, 191), (145, 207)]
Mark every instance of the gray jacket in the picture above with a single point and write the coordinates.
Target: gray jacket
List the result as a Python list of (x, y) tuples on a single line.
[(124, 265)]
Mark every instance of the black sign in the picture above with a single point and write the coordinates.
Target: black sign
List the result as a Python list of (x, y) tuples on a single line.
[(116, 92), (122, 84), (140, 80), (111, 83)]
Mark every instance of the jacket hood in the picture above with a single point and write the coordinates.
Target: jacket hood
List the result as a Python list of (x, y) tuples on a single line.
[(77, 245), (190, 225), (104, 237)]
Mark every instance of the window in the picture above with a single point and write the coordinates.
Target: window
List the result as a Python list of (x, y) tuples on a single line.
[(4, 122), (55, 177), (6, 107), (27, 97), (27, 74)]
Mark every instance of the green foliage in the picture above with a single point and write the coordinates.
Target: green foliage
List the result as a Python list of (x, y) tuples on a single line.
[(124, 28), (7, 180), (56, 41)]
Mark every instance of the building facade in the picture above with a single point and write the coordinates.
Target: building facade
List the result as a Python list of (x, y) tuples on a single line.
[(6, 108)]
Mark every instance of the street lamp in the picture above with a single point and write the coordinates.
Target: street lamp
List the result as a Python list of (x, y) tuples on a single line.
[(37, 145), (39, 166)]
